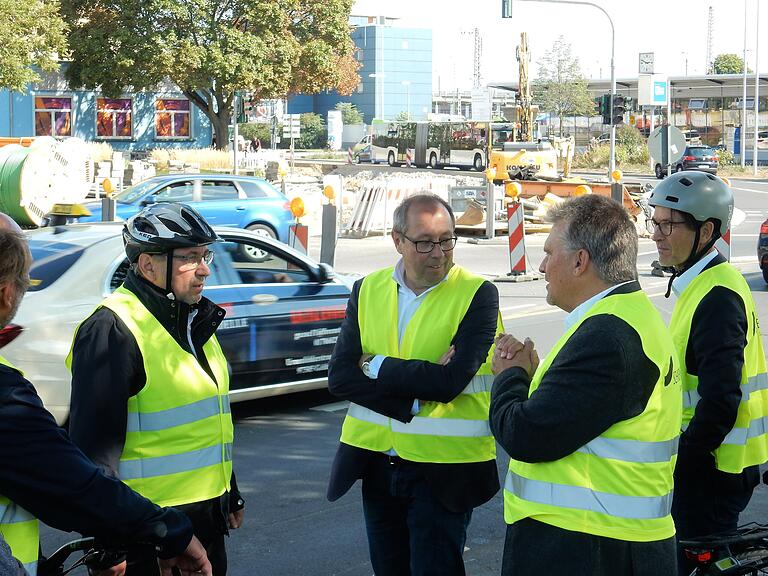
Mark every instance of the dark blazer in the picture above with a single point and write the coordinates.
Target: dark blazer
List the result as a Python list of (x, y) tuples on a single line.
[(459, 487)]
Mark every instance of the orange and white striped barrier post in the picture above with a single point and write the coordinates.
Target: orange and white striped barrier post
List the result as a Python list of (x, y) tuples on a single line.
[(298, 237), (408, 157), (516, 231), (350, 156), (723, 245), (517, 261)]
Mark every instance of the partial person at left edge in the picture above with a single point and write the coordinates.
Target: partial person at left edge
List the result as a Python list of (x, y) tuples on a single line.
[(44, 475), (150, 383)]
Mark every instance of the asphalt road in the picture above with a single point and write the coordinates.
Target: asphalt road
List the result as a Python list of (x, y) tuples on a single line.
[(284, 446)]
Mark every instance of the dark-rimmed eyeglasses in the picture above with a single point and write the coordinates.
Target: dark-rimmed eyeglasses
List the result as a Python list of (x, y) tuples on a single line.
[(664, 227), (426, 246)]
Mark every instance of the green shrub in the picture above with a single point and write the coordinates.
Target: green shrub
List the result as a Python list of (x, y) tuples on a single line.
[(726, 157)]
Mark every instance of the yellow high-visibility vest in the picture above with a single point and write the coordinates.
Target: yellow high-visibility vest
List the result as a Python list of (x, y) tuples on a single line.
[(178, 444), (20, 529), (452, 432), (618, 485), (747, 442)]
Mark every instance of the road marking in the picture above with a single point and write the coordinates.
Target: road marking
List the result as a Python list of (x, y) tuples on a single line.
[(334, 407), (507, 308), (744, 235), (752, 190)]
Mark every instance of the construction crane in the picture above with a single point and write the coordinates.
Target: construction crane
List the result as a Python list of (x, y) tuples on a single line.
[(710, 33), (526, 116)]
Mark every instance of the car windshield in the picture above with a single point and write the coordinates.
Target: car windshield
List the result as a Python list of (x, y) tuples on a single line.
[(134, 193), (700, 152), (50, 260)]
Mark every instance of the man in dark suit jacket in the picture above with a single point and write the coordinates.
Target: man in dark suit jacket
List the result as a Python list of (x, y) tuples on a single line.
[(413, 359)]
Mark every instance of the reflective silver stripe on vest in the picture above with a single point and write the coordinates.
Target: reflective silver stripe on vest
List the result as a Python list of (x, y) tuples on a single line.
[(12, 514), (164, 465), (424, 426), (753, 384), (740, 436), (479, 383), (631, 450), (580, 498), (163, 419), (31, 568)]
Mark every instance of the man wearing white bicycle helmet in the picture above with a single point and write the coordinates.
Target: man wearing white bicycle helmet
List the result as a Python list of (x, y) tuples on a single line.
[(716, 331), (150, 382)]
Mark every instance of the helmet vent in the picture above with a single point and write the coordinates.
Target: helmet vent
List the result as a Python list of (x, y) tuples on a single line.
[(685, 181), (673, 199), (710, 176)]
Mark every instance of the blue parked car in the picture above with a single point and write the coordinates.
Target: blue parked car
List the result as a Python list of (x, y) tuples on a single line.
[(225, 200)]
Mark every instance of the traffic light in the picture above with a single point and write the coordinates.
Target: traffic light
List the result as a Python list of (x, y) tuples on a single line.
[(605, 108), (619, 107), (506, 8)]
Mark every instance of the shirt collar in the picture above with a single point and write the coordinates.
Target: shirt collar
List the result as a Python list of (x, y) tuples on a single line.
[(398, 275), (680, 283), (581, 310)]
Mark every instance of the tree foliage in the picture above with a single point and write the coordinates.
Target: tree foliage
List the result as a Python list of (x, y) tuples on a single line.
[(32, 33), (728, 64), (560, 88), (212, 48), (349, 113)]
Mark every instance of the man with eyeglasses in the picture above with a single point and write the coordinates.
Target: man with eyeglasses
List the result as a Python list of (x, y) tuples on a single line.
[(413, 359), (716, 332), (150, 382)]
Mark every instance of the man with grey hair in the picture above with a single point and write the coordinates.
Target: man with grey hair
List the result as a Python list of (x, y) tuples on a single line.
[(413, 359), (591, 430)]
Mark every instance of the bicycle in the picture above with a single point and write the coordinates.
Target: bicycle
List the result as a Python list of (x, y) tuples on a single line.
[(97, 555), (743, 552)]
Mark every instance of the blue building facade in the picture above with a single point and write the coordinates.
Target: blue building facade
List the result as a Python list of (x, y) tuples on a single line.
[(137, 121), (395, 75)]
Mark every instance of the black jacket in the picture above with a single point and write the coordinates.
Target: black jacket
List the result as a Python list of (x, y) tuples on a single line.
[(601, 376), (46, 474), (715, 353), (459, 487), (107, 368)]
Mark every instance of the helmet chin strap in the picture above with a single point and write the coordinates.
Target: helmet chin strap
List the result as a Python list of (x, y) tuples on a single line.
[(168, 273), (693, 257)]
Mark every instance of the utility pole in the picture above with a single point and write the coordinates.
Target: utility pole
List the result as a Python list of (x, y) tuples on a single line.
[(710, 32), (478, 58), (526, 116)]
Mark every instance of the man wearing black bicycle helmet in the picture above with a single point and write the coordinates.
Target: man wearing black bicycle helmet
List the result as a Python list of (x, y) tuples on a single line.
[(716, 331), (150, 379)]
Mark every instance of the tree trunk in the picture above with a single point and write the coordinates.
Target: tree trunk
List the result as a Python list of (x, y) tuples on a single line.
[(220, 124), (219, 118)]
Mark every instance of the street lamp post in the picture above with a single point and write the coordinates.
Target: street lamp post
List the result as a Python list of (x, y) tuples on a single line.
[(743, 138), (407, 84), (613, 68), (376, 76)]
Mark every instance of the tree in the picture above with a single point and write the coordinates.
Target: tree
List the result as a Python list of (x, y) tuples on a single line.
[(32, 33), (728, 64), (313, 132), (560, 88), (212, 48), (402, 116), (349, 113)]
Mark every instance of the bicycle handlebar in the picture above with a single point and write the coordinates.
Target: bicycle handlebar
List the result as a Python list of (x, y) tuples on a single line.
[(96, 553)]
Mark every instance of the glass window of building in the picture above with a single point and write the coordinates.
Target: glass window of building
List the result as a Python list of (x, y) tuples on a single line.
[(172, 118), (53, 116), (114, 117)]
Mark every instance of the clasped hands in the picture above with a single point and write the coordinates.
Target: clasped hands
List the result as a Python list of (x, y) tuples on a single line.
[(511, 353)]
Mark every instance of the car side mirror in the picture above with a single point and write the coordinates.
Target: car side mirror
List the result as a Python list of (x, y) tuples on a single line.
[(325, 273), (148, 200)]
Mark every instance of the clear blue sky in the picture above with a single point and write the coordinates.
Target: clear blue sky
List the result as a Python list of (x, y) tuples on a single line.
[(674, 31)]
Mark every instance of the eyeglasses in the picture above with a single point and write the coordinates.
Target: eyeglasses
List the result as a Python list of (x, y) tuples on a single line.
[(665, 226), (426, 246), (193, 261)]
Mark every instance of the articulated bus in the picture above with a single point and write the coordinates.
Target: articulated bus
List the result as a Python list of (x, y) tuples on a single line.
[(436, 144)]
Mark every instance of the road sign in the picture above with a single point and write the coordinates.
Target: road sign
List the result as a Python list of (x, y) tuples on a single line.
[(651, 90), (676, 144), (291, 125)]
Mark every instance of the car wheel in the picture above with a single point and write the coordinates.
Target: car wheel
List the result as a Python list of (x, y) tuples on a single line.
[(659, 172), (765, 275), (433, 160), (391, 159), (478, 164), (252, 254)]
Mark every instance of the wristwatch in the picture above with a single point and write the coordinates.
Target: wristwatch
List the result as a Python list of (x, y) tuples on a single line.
[(366, 367)]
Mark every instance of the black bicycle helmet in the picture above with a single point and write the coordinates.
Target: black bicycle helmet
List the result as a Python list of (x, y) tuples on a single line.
[(163, 227)]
